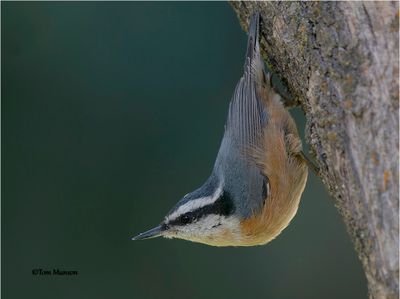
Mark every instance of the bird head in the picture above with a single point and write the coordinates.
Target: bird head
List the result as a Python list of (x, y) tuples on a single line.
[(205, 216)]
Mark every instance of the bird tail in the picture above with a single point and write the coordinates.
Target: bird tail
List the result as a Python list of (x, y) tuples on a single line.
[(253, 62), (253, 32)]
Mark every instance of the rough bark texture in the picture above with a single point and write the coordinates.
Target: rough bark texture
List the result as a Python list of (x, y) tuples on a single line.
[(340, 62)]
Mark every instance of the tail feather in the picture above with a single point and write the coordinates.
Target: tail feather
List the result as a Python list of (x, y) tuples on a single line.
[(254, 65), (253, 47)]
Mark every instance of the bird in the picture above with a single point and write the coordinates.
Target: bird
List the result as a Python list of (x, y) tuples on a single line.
[(259, 174)]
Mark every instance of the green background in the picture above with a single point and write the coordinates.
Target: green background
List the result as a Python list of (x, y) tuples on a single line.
[(111, 112)]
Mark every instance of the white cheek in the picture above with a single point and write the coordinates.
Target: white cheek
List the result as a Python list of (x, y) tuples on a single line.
[(210, 226), (204, 226)]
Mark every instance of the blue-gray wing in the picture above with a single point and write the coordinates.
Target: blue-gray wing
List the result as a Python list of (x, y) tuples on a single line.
[(247, 118)]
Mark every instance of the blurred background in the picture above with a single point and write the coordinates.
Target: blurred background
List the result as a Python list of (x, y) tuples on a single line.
[(111, 112)]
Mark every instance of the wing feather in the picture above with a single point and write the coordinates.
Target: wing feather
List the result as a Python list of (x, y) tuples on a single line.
[(244, 130), (247, 114)]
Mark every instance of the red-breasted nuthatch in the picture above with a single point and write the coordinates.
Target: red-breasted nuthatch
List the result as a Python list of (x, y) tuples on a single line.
[(259, 174)]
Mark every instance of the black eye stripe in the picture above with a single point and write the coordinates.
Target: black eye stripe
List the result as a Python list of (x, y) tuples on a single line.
[(225, 204), (222, 206)]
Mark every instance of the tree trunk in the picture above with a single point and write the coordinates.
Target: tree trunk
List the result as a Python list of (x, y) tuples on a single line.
[(340, 62)]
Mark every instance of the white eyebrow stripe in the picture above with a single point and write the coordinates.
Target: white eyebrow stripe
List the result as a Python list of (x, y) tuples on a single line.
[(195, 204)]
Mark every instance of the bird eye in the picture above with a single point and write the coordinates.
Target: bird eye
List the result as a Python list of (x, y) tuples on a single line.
[(185, 219)]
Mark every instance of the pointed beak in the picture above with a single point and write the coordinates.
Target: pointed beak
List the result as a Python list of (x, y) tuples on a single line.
[(153, 233)]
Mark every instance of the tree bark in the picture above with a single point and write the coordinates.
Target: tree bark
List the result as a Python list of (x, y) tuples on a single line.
[(340, 62)]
